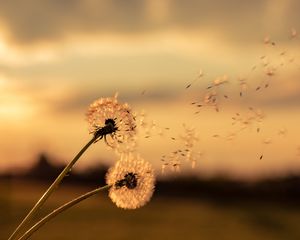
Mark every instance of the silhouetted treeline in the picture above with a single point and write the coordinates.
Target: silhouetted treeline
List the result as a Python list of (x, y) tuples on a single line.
[(217, 190)]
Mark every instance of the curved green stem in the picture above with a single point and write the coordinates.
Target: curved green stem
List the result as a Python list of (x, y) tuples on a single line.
[(61, 209), (53, 186)]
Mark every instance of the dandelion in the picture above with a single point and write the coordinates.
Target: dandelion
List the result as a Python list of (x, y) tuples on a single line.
[(111, 120), (132, 180)]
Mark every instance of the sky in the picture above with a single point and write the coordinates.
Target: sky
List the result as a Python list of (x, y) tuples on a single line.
[(56, 57)]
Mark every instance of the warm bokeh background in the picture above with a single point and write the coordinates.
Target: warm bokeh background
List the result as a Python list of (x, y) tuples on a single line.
[(56, 57)]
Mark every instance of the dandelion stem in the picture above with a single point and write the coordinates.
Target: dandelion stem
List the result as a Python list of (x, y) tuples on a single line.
[(61, 209), (53, 186)]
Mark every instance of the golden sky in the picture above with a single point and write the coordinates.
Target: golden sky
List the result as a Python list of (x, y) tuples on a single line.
[(58, 56)]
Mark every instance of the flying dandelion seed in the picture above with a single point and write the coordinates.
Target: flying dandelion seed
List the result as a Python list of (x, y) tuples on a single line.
[(270, 71), (298, 151), (247, 121), (175, 159), (293, 33), (282, 53), (188, 86), (132, 180), (282, 132), (200, 75), (267, 40), (266, 142), (112, 121)]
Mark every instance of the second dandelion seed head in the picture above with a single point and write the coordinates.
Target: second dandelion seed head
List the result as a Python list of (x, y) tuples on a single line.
[(132, 180)]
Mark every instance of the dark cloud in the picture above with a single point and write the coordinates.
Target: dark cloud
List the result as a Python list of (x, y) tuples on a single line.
[(48, 20)]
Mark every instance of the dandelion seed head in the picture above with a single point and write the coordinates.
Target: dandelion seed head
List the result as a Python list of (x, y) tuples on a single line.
[(132, 180), (108, 112)]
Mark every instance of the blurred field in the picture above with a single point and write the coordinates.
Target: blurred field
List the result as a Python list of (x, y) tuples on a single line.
[(162, 218)]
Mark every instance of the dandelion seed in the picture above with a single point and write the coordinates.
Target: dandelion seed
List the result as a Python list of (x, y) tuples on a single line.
[(267, 40), (176, 167), (200, 73), (283, 53), (270, 72), (112, 121), (231, 136), (298, 151), (267, 141), (132, 180), (163, 168), (282, 132), (194, 164), (293, 33)]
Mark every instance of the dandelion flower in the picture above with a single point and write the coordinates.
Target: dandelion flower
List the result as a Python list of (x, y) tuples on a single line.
[(132, 180), (111, 120)]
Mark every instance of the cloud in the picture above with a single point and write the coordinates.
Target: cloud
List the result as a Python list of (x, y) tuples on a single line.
[(32, 21)]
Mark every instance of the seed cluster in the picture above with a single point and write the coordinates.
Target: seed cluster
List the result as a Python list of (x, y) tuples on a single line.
[(132, 180), (112, 121)]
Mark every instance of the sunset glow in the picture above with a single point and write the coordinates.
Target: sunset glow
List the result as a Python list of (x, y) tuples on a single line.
[(52, 68)]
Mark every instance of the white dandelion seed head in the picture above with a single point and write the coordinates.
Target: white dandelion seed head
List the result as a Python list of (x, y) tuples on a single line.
[(104, 109), (142, 182)]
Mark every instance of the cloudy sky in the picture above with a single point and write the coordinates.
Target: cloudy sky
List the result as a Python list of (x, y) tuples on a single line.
[(58, 56)]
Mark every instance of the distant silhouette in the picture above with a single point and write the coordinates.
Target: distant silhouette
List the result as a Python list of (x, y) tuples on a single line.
[(43, 169), (220, 190)]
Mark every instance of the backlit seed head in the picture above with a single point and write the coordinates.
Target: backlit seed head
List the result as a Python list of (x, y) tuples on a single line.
[(111, 120), (132, 180)]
